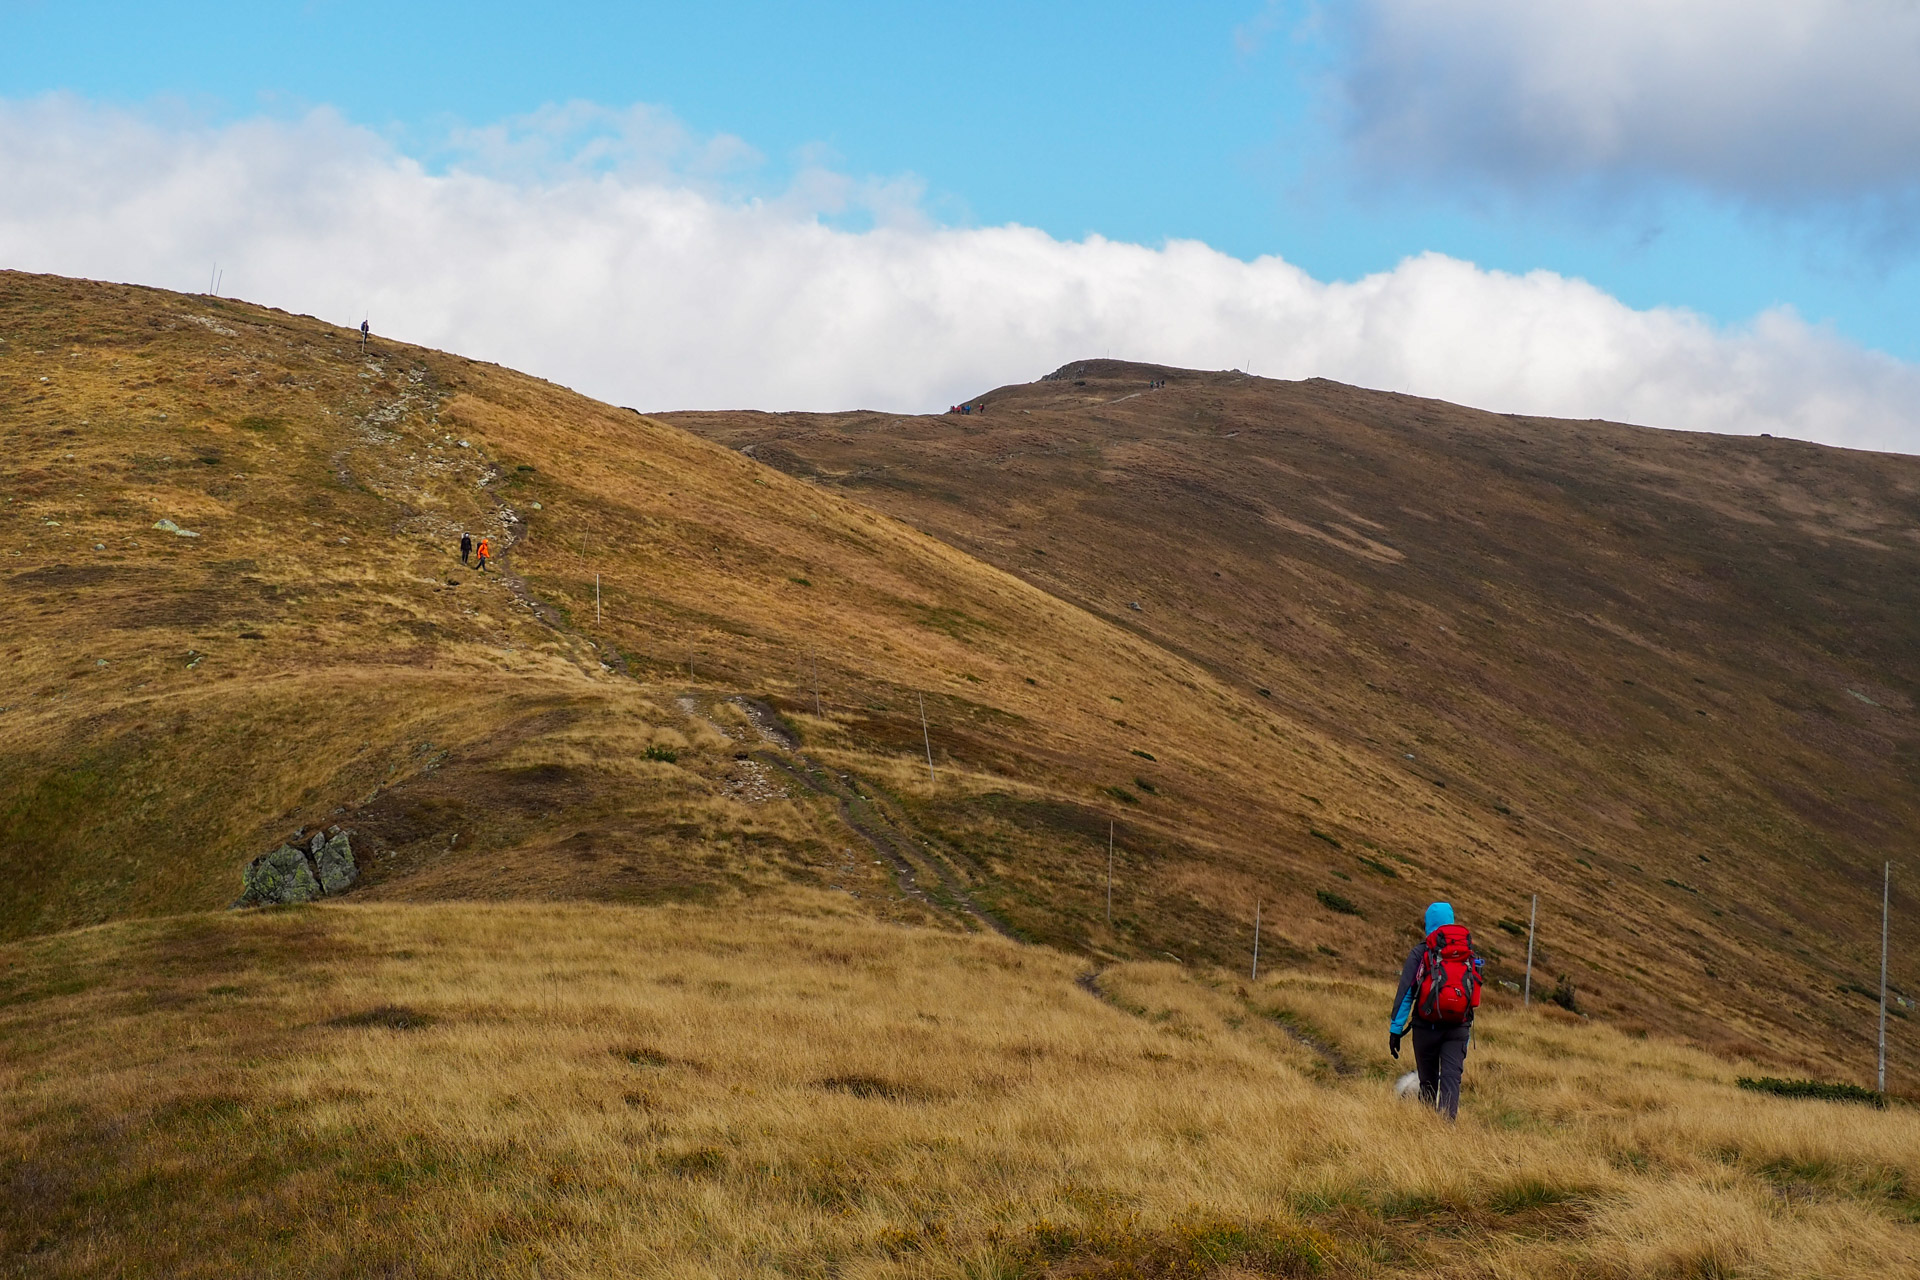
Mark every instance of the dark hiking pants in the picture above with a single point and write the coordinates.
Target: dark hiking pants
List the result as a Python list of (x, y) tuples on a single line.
[(1440, 1054)]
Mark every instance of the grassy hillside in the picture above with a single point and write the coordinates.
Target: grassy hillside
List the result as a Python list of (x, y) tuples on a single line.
[(1665, 680), (527, 1089), (741, 715), (675, 954)]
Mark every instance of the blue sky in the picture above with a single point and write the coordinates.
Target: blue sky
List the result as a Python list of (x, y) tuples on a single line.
[(1207, 120), (1343, 139)]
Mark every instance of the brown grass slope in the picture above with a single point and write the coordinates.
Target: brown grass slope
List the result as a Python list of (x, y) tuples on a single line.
[(1665, 679), (318, 655)]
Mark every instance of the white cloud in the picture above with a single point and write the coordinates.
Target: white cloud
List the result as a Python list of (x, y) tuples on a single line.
[(649, 284), (1786, 103)]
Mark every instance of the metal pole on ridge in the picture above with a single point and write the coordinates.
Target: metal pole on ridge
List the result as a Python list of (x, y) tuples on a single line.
[(1255, 977), (1886, 883), (1526, 998), (1109, 873)]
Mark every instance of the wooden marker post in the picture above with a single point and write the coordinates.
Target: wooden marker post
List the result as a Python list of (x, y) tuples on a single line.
[(1109, 873), (1526, 999), (926, 737)]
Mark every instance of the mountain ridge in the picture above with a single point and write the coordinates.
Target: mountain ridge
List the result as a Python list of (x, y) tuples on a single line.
[(318, 656)]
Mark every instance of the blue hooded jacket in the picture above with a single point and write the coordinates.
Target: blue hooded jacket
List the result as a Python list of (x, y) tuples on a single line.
[(1438, 914)]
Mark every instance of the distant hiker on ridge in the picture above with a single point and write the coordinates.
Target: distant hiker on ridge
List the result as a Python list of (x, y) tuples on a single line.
[(466, 547), (480, 555), (1439, 990)]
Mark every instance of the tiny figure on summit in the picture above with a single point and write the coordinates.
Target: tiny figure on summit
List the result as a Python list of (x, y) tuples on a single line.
[(480, 555), (1439, 990), (466, 547)]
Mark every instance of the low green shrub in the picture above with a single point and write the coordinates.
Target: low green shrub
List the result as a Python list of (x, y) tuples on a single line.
[(1334, 902), (1827, 1090)]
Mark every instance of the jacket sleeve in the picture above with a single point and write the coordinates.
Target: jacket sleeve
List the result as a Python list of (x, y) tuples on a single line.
[(1403, 998)]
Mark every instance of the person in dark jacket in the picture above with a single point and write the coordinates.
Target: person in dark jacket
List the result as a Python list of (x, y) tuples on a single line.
[(466, 547), (1439, 1048)]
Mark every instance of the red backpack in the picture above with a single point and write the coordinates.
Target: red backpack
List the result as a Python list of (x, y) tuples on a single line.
[(1448, 988)]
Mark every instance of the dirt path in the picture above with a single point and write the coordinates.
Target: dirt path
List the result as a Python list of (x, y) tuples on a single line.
[(1336, 1061), (919, 870), (913, 860)]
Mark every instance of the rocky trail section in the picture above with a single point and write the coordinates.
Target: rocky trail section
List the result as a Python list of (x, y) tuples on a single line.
[(403, 453), (920, 869)]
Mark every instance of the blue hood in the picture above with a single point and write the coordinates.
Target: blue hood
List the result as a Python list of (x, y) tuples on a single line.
[(1438, 914)]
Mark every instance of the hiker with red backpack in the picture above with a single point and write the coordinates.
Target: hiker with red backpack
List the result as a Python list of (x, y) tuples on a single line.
[(1439, 990)]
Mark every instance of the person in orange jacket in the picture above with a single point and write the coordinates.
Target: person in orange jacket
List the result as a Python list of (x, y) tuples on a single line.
[(480, 554)]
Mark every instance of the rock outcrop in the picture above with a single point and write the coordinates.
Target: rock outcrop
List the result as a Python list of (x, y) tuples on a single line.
[(293, 874)]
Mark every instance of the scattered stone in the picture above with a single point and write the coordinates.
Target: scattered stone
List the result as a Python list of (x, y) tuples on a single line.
[(292, 874), (168, 526)]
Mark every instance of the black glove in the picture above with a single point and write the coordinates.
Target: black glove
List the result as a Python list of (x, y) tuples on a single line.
[(1393, 1043)]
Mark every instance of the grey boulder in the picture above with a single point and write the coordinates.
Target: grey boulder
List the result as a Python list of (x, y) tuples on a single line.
[(291, 874)]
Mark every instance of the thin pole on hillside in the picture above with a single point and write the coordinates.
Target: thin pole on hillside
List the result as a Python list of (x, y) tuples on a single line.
[(210, 270), (1886, 885), (1526, 998), (220, 280), (815, 654), (1256, 942), (596, 599), (926, 737), (1109, 873)]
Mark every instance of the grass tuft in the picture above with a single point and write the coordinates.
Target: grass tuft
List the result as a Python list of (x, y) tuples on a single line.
[(1528, 1193), (861, 1086), (394, 1017)]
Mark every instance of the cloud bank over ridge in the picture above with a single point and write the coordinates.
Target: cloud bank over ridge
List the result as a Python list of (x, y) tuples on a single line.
[(633, 268)]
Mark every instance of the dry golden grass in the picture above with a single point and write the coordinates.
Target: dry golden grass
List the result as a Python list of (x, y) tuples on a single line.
[(519, 1090), (176, 705)]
